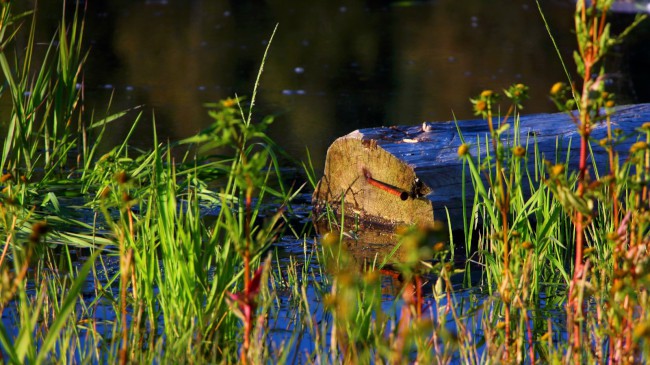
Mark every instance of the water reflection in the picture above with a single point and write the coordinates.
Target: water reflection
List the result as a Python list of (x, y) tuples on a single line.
[(333, 66)]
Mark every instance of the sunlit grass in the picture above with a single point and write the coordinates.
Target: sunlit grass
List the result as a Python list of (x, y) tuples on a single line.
[(134, 256)]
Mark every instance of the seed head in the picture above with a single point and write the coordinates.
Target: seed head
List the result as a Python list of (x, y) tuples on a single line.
[(126, 197), (557, 169), (40, 227), (612, 236), (638, 146), (517, 91), (486, 94), (439, 247), (6, 177), (38, 230), (463, 150), (122, 177), (603, 142), (229, 103), (556, 88), (519, 151)]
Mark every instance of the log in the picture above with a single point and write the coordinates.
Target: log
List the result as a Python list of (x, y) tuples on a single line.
[(411, 174)]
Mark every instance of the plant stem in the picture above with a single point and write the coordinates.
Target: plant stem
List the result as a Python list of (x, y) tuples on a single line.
[(503, 205), (248, 323)]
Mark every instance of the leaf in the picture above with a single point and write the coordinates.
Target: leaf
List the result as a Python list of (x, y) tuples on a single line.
[(580, 66), (103, 122), (254, 287), (51, 198), (503, 128), (7, 346)]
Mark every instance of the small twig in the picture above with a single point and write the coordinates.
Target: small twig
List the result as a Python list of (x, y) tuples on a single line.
[(9, 237), (403, 194)]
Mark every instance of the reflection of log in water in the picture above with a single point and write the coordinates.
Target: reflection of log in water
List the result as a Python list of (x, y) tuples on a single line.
[(370, 246), (373, 247), (631, 7), (367, 244), (372, 170)]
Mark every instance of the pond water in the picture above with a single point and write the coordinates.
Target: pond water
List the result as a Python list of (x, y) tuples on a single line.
[(334, 66)]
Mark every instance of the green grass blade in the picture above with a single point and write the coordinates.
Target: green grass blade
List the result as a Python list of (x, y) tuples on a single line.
[(259, 76), (7, 346), (557, 50)]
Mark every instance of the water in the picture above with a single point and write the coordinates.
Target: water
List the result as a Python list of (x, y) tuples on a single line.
[(334, 66)]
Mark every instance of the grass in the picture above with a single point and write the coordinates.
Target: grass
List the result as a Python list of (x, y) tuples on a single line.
[(153, 259)]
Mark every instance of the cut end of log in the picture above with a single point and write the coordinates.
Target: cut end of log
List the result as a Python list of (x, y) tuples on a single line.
[(363, 180)]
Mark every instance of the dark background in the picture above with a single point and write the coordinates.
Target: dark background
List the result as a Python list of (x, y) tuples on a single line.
[(334, 66)]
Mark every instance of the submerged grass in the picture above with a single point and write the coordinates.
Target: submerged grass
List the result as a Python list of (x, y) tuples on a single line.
[(171, 269)]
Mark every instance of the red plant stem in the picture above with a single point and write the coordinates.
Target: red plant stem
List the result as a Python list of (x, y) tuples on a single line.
[(614, 198), (646, 174), (582, 173), (629, 330), (126, 259), (613, 170), (574, 305), (403, 324), (578, 271), (589, 55), (8, 240), (418, 296), (503, 205), (529, 333), (402, 194)]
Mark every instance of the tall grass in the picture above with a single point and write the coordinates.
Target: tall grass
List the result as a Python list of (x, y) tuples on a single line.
[(177, 264), (166, 284), (572, 229)]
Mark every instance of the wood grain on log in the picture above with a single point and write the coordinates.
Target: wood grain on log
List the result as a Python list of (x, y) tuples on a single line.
[(410, 174)]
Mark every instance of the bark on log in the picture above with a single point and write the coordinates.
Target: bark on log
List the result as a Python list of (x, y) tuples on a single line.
[(410, 174)]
